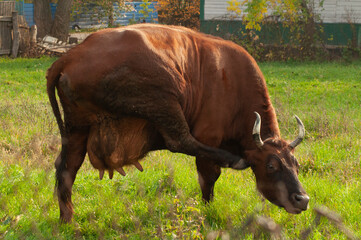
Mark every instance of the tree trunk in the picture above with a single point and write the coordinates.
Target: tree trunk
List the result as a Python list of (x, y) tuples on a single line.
[(42, 17), (60, 28)]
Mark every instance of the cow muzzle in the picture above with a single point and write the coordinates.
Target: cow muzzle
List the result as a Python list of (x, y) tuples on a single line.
[(300, 201), (295, 202)]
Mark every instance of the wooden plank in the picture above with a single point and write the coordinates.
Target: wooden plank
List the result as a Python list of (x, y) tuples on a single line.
[(5, 52), (5, 36), (6, 8), (5, 19), (16, 35)]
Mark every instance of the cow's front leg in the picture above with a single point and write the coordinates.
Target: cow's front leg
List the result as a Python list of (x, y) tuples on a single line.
[(174, 129), (160, 106), (208, 173), (67, 165)]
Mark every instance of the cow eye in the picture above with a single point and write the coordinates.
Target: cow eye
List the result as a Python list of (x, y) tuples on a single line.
[(270, 168), (273, 164)]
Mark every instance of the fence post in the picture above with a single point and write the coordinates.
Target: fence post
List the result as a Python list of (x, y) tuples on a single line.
[(359, 37), (16, 35)]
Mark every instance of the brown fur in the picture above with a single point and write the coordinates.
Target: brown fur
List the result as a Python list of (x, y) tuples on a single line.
[(161, 87)]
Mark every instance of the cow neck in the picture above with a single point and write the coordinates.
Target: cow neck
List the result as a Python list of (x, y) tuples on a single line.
[(269, 127), (269, 124)]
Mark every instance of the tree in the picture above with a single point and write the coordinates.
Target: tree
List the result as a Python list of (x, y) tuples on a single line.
[(100, 9), (42, 17), (175, 12), (59, 27), (297, 16), (145, 8)]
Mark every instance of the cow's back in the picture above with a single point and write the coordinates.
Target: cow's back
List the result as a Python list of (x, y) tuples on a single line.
[(156, 53), (214, 80)]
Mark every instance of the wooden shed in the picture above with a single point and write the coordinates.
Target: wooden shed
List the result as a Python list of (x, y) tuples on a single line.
[(9, 29), (341, 19)]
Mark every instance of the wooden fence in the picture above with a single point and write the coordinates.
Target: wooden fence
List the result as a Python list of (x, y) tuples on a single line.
[(9, 29)]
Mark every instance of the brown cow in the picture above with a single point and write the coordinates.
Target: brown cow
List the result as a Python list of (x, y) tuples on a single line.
[(146, 87)]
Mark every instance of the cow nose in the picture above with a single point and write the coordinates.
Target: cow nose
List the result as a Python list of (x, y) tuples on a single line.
[(301, 201)]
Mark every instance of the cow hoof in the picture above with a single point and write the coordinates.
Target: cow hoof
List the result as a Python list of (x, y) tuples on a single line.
[(240, 165)]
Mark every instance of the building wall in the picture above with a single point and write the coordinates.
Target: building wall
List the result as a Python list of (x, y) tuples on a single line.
[(336, 16), (87, 19), (28, 11), (340, 11), (333, 11)]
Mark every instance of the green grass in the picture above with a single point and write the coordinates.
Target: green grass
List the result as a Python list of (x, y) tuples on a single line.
[(164, 201)]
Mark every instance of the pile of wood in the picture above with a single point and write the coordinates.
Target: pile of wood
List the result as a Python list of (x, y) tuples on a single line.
[(51, 45), (18, 39), (30, 46), (48, 46)]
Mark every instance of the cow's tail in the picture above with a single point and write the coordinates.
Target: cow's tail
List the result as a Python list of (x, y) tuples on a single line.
[(53, 76)]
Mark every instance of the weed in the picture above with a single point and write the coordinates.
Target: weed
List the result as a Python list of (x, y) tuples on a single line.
[(164, 201)]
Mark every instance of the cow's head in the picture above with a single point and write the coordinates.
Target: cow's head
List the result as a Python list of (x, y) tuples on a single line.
[(276, 170)]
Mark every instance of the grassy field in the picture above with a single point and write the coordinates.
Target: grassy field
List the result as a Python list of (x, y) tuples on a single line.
[(164, 201)]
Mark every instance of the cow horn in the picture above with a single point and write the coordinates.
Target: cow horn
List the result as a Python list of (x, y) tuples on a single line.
[(138, 166), (101, 174), (257, 131), (301, 134), (121, 171)]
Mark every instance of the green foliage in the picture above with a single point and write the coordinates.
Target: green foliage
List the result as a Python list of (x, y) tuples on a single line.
[(254, 11), (350, 52), (296, 17), (145, 8), (100, 9), (164, 201), (234, 9), (174, 12)]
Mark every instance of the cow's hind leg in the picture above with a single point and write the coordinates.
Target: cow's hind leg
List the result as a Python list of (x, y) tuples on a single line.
[(208, 173), (71, 158)]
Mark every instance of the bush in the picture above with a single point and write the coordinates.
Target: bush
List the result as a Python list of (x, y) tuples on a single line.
[(297, 18), (174, 12)]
